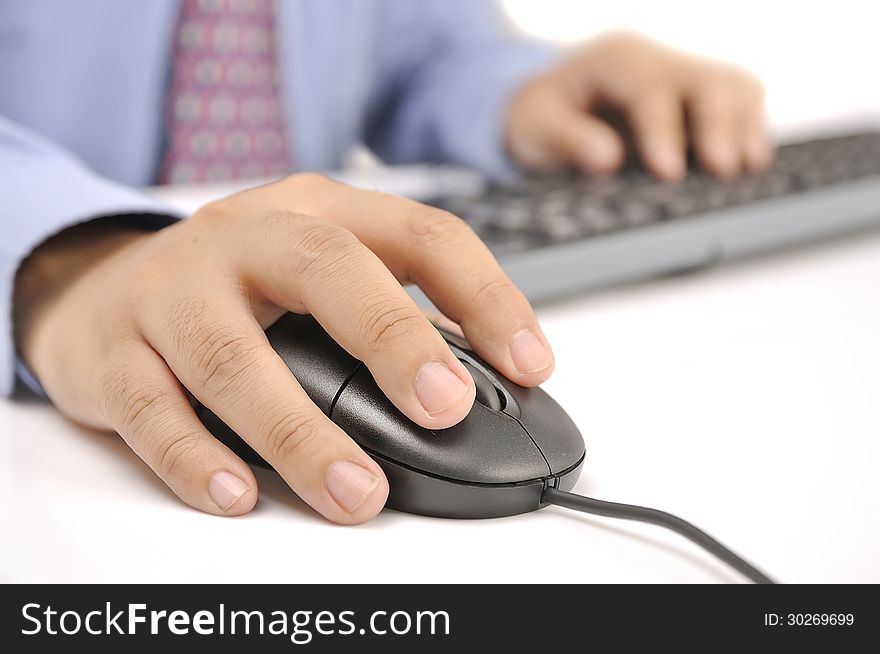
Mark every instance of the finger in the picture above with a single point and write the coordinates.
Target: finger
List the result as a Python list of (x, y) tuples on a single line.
[(584, 141), (717, 128), (313, 265), (147, 406), (657, 119), (758, 144), (222, 356), (759, 153), (451, 264)]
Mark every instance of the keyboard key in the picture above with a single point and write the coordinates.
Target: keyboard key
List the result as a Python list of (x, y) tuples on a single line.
[(514, 216), (596, 218), (635, 213), (562, 227)]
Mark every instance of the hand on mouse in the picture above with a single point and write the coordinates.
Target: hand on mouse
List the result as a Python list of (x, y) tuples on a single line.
[(559, 118), (118, 325)]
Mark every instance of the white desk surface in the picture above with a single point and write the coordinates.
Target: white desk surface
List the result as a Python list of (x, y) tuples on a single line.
[(744, 399)]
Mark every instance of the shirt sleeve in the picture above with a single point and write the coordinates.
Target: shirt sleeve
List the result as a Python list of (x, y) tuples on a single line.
[(44, 190), (456, 66)]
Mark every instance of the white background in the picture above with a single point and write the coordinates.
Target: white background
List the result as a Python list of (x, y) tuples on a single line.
[(744, 398)]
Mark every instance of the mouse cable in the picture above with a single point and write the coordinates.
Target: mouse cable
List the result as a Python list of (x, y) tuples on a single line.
[(655, 517)]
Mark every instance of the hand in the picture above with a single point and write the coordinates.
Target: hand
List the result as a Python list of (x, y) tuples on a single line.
[(117, 323), (558, 118)]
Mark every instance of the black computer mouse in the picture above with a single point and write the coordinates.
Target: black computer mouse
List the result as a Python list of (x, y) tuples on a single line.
[(496, 462)]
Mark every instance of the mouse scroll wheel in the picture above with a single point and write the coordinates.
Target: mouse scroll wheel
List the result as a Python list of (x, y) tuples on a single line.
[(487, 394)]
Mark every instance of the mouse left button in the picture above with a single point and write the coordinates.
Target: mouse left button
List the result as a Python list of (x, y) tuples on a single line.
[(319, 363)]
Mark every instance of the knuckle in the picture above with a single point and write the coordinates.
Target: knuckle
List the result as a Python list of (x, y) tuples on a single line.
[(714, 99), (142, 411), (150, 273), (142, 414), (223, 357), (220, 354), (319, 246), (283, 223), (655, 95), (385, 322), (115, 387), (623, 38), (618, 44), (185, 315), (433, 228), (307, 181), (142, 405), (494, 292), (171, 454), (290, 433), (724, 84), (219, 211), (127, 400), (282, 226)]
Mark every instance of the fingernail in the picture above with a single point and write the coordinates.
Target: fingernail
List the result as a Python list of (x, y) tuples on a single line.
[(226, 489), (350, 484), (528, 353), (438, 388)]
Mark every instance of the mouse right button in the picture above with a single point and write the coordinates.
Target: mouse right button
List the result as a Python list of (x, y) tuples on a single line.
[(550, 427)]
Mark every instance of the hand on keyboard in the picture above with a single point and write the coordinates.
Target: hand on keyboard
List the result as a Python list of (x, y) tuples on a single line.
[(559, 119)]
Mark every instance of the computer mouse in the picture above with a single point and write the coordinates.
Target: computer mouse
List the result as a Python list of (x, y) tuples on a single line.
[(514, 443)]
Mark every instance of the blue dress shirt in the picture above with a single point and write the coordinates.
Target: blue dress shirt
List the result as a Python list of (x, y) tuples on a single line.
[(82, 86)]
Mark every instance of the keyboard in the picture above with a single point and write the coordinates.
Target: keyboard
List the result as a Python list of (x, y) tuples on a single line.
[(558, 235)]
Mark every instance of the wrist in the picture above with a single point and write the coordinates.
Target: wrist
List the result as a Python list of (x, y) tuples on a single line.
[(55, 266)]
